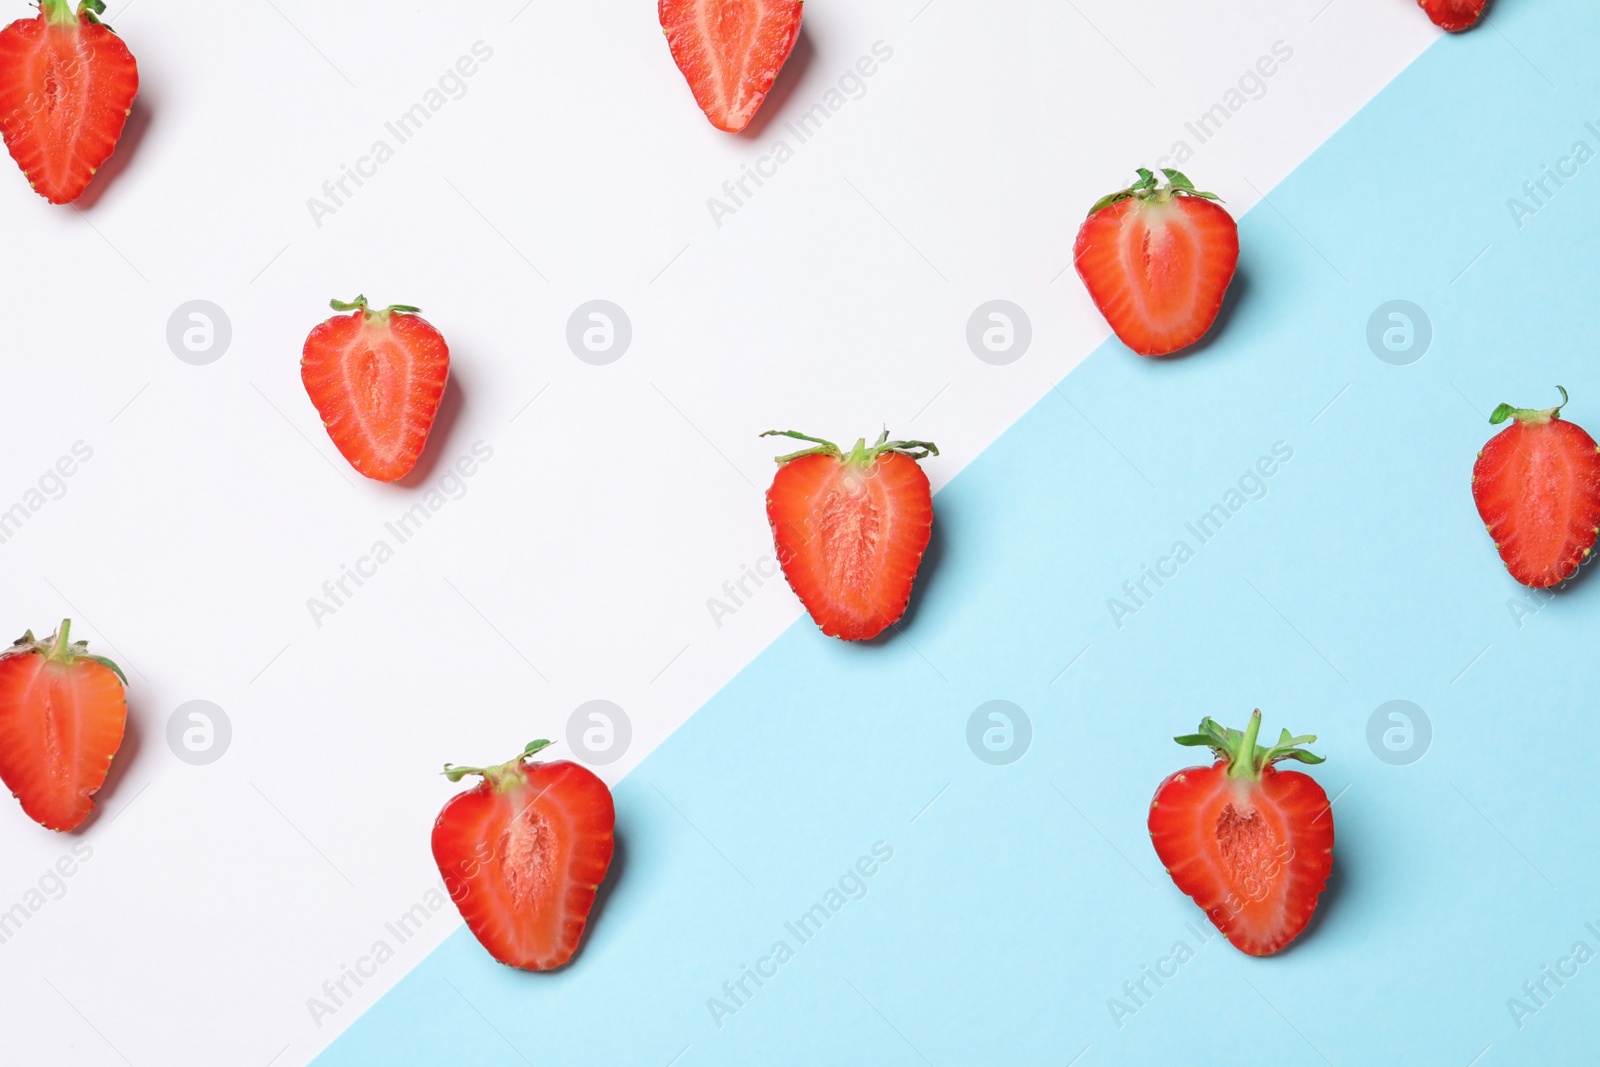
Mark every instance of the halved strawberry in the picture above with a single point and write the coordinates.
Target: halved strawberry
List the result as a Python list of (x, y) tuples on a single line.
[(850, 530), (62, 714), (1537, 487), (522, 854), (1157, 261), (376, 378), (67, 84), (730, 51), (1455, 15), (1251, 844)]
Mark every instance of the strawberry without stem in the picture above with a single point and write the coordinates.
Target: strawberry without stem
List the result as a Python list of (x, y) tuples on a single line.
[(1537, 487), (67, 84), (850, 530), (730, 51), (62, 715), (1455, 15), (1157, 261), (376, 378), (1252, 845), (522, 854)]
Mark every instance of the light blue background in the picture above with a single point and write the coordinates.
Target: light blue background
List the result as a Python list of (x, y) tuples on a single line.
[(1022, 899)]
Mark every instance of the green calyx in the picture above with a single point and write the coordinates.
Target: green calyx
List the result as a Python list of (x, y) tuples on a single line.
[(60, 648), (1246, 759), (360, 304), (504, 776), (1529, 416), (861, 455), (1149, 189), (61, 12)]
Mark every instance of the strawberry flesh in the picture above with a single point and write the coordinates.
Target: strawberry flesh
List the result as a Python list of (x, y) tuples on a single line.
[(1537, 488), (67, 84), (850, 532), (522, 855), (377, 379), (730, 51), (1157, 262)]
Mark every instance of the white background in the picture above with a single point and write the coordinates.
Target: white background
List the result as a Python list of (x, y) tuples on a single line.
[(619, 498)]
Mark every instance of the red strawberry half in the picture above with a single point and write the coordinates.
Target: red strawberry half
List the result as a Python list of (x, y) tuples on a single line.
[(730, 51), (1537, 487), (850, 529), (376, 378), (67, 84), (1251, 844), (1455, 15), (1157, 261), (62, 714), (522, 854)]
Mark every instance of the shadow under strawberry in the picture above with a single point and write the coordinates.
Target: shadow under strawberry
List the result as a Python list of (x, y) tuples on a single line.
[(1237, 289), (127, 752), (1332, 893), (789, 79), (133, 133), (614, 874), (439, 437), (932, 558), (602, 896)]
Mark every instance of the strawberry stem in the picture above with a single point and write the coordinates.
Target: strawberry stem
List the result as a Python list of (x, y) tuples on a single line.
[(502, 776), (1529, 416), (63, 647), (861, 455), (58, 12), (1247, 746), (1246, 759), (1146, 189), (360, 304)]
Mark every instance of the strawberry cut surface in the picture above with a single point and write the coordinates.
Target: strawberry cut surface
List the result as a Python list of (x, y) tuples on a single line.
[(377, 379), (1537, 487), (1455, 16), (730, 51), (1157, 261), (523, 854), (850, 530), (1250, 844), (67, 84), (62, 717)]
